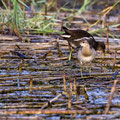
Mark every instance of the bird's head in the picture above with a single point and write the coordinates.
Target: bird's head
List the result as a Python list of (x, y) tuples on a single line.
[(84, 43)]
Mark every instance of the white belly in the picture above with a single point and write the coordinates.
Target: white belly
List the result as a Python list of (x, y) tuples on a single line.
[(84, 59)]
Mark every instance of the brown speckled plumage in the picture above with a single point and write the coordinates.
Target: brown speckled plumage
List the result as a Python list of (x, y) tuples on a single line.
[(77, 35)]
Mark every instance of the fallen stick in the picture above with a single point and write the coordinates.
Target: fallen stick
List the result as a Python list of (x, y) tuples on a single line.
[(111, 96), (51, 101), (52, 111), (11, 90)]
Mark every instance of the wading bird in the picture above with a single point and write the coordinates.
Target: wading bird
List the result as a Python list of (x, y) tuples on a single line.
[(75, 36), (84, 42)]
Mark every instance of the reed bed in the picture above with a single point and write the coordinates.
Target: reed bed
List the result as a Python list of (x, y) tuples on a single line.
[(37, 81)]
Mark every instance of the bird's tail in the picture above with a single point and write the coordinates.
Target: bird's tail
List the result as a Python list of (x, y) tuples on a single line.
[(64, 28), (67, 33), (101, 46)]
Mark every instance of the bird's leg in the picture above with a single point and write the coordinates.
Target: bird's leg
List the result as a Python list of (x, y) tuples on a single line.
[(81, 69), (70, 55), (86, 68), (90, 71), (81, 72), (104, 53)]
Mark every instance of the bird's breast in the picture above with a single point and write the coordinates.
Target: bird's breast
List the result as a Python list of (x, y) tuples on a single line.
[(86, 57), (86, 51)]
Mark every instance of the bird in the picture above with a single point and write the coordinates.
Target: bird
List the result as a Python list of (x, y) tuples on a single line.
[(84, 43), (85, 54), (74, 38)]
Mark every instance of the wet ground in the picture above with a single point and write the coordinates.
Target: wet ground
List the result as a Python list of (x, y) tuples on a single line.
[(32, 74)]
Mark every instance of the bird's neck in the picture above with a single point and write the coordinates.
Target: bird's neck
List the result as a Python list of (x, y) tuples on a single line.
[(87, 51)]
